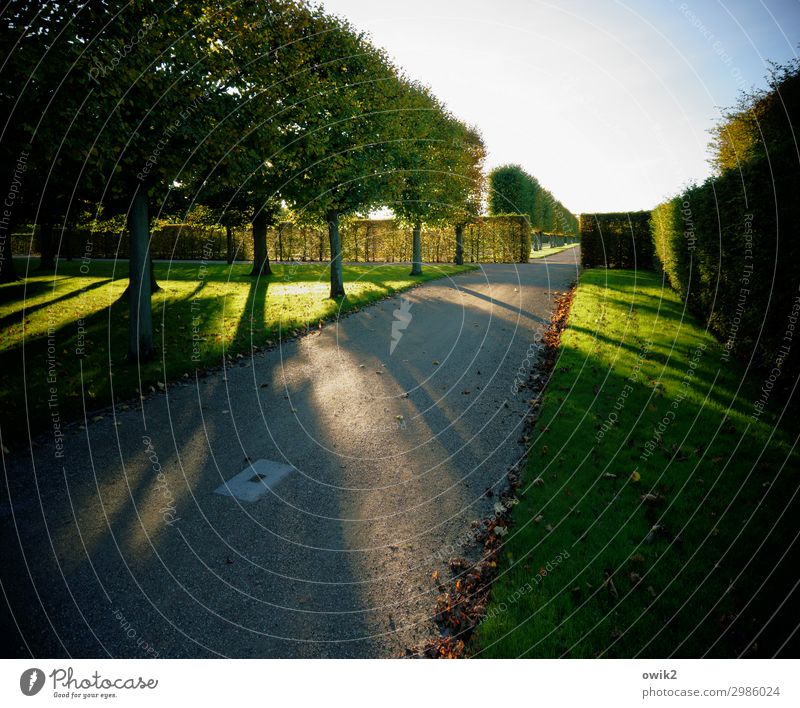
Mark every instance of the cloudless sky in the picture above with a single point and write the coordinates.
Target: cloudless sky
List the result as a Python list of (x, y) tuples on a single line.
[(607, 103)]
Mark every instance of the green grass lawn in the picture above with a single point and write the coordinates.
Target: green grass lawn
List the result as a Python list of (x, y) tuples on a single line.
[(551, 251), (46, 321), (672, 553)]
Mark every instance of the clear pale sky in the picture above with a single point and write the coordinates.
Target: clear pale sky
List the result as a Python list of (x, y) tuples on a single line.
[(607, 103)]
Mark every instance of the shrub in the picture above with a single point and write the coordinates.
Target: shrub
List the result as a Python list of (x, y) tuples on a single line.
[(616, 240), (488, 239)]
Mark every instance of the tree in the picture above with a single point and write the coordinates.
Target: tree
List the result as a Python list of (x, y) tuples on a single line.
[(33, 131), (118, 99), (513, 190), (271, 58), (165, 95), (439, 162), (468, 206), (416, 163), (348, 151)]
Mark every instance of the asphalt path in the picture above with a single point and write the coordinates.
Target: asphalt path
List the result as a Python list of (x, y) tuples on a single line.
[(393, 422)]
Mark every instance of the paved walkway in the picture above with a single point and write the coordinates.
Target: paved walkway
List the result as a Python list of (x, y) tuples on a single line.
[(127, 547)]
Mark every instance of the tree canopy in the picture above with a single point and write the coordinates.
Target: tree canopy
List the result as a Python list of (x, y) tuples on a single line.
[(245, 109), (513, 190)]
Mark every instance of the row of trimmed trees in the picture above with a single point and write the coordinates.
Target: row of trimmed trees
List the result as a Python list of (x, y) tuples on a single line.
[(513, 190), (245, 108)]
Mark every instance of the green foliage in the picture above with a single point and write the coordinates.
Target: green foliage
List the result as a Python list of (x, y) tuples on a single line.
[(437, 168), (512, 190), (244, 108), (487, 239), (616, 240), (762, 123), (729, 246)]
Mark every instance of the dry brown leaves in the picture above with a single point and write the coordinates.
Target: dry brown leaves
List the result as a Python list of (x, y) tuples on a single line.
[(462, 603)]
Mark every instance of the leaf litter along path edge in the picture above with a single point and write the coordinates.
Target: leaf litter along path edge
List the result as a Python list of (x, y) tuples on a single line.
[(461, 606)]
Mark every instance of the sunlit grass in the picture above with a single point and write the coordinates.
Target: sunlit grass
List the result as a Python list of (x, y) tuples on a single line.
[(676, 573), (552, 251), (201, 312)]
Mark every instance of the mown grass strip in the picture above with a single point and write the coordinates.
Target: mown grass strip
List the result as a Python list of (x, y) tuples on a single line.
[(658, 513), (552, 251)]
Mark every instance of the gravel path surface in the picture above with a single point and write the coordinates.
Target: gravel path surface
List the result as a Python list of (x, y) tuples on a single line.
[(126, 549)]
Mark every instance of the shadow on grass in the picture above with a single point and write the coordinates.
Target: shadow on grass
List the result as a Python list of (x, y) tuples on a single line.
[(698, 567), (252, 327), (18, 315)]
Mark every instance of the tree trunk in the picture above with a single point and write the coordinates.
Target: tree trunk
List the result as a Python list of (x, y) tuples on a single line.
[(229, 244), (47, 261), (66, 243), (280, 242), (416, 251), (8, 274), (140, 342), (260, 255), (337, 278), (154, 286), (460, 244)]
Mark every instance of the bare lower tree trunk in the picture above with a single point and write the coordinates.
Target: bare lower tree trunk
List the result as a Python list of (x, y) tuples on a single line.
[(66, 242), (154, 286), (260, 255), (140, 342), (47, 261), (416, 251), (337, 277), (460, 244), (229, 243), (8, 274)]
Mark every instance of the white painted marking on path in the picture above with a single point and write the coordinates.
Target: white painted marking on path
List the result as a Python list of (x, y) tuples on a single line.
[(254, 481)]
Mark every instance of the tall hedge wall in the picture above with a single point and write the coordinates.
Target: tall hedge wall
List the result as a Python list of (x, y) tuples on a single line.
[(731, 247), (490, 239), (616, 240)]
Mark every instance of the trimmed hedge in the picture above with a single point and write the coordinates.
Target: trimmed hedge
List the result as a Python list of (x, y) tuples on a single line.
[(512, 189), (490, 239), (731, 247), (616, 240)]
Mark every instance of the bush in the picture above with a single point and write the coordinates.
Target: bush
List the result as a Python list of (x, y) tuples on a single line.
[(489, 239), (616, 240), (730, 246), (512, 189)]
